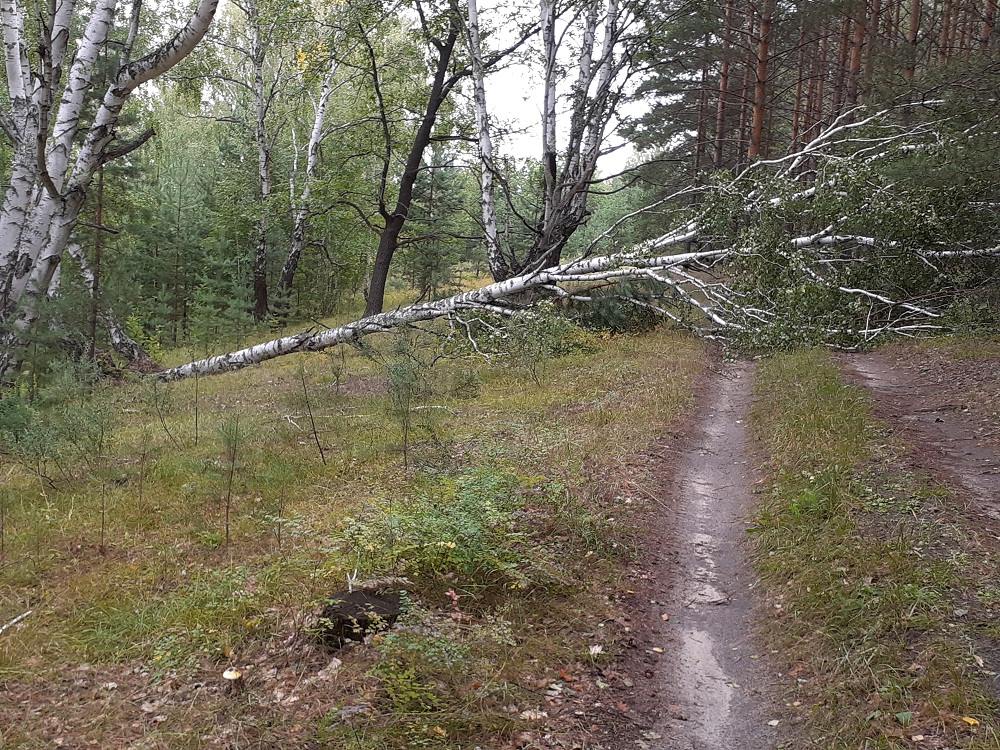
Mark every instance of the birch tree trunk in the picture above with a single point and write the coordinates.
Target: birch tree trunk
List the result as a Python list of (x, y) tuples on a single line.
[(300, 199), (592, 102), (51, 167), (495, 258), (258, 52)]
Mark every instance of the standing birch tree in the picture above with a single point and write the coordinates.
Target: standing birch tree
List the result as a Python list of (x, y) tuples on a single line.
[(587, 56), (57, 145)]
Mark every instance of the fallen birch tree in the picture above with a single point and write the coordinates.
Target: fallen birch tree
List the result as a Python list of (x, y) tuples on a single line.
[(739, 283), (490, 298)]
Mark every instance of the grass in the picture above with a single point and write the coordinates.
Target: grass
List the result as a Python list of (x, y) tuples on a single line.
[(505, 498), (866, 563)]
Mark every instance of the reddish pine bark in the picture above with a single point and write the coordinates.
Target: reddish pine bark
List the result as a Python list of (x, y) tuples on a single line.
[(760, 84), (720, 112)]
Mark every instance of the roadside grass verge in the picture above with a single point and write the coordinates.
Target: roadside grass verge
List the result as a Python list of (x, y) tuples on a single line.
[(871, 578), (200, 525)]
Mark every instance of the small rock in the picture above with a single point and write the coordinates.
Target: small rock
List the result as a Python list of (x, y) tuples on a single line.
[(330, 670), (533, 715)]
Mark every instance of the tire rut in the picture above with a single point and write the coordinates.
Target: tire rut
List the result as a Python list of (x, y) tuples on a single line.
[(933, 424)]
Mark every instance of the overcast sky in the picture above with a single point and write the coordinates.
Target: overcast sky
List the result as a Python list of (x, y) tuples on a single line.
[(514, 94)]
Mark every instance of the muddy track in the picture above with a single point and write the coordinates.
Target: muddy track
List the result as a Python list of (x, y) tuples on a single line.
[(944, 439), (931, 420), (700, 684)]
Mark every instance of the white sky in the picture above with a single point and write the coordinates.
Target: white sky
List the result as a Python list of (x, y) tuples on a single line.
[(514, 94)]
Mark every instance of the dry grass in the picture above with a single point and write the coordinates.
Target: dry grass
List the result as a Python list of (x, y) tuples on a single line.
[(139, 604), (871, 575)]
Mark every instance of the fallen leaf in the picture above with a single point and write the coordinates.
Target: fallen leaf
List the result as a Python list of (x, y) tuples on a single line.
[(622, 706), (533, 715), (917, 737), (970, 721)]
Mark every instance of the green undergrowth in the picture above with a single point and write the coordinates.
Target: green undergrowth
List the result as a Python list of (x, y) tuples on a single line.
[(872, 577), (160, 533)]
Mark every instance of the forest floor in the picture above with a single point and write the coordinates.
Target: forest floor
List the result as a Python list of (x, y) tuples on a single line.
[(582, 572)]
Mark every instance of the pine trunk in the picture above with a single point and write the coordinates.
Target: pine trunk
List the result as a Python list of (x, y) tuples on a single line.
[(720, 113), (760, 85)]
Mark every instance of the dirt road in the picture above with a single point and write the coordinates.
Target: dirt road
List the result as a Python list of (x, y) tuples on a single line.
[(932, 419), (703, 685)]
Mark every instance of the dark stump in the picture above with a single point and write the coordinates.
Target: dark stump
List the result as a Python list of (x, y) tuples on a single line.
[(351, 615)]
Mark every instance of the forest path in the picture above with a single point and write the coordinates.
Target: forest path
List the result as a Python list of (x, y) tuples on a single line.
[(929, 414), (935, 406), (704, 686)]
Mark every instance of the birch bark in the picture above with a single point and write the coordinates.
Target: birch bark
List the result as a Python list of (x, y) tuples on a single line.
[(300, 199), (51, 170), (497, 262)]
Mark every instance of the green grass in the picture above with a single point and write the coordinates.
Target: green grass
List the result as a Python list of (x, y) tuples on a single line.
[(865, 567), (121, 552)]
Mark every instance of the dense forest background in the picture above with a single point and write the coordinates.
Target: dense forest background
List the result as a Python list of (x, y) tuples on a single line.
[(303, 155)]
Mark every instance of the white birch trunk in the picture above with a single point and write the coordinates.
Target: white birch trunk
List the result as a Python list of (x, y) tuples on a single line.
[(585, 76), (495, 258), (42, 203), (259, 53), (548, 32), (120, 341), (485, 298), (300, 201), (78, 84), (605, 75)]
